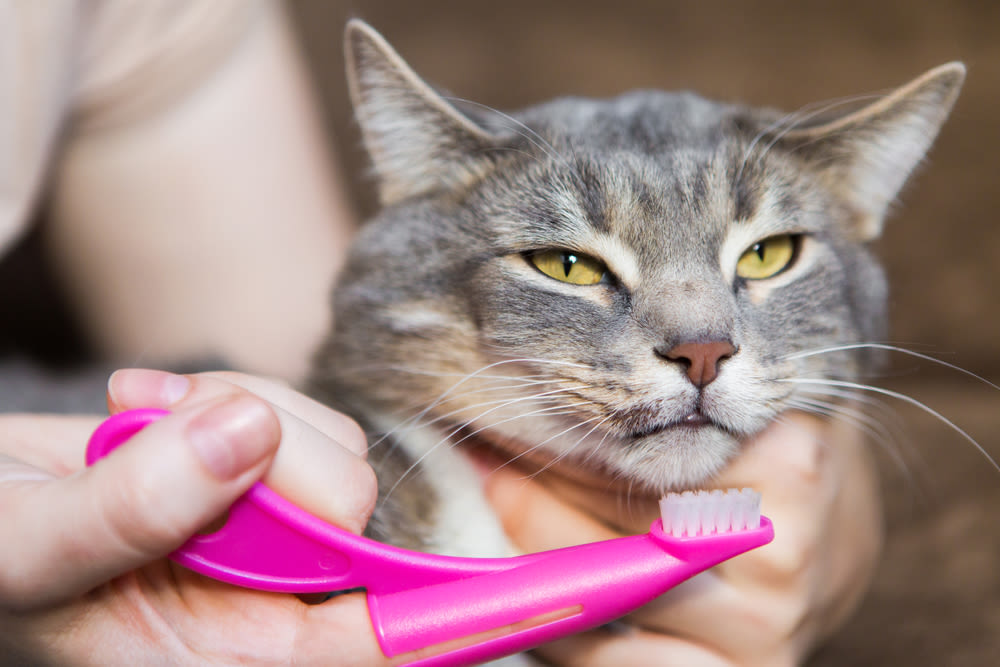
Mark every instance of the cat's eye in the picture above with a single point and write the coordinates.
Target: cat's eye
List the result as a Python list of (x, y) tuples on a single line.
[(569, 267), (767, 258)]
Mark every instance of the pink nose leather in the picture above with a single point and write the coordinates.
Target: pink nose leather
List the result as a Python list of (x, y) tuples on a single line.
[(702, 359)]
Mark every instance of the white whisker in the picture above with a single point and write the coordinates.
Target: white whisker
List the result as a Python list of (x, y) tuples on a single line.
[(533, 137), (790, 122), (463, 379), (891, 348), (874, 428), (446, 440), (902, 397), (553, 437), (499, 403)]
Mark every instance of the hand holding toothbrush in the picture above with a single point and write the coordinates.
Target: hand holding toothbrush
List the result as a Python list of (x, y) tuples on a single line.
[(769, 607), (82, 578)]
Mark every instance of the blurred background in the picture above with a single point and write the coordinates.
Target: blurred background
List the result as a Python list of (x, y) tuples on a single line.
[(936, 599)]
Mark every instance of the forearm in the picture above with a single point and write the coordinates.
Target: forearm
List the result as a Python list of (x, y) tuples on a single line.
[(213, 227)]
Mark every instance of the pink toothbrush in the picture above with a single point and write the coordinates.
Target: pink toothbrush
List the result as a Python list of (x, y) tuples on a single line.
[(431, 610)]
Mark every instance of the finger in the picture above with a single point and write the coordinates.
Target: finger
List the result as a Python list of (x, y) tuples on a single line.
[(53, 443), (821, 489), (603, 648), (339, 630), (316, 467), (138, 504), (790, 458), (267, 626), (534, 518), (335, 425), (802, 466), (142, 388)]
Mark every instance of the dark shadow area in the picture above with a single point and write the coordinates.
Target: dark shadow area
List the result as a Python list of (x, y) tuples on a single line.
[(38, 325)]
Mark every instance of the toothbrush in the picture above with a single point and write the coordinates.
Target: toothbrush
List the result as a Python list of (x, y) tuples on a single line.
[(440, 611)]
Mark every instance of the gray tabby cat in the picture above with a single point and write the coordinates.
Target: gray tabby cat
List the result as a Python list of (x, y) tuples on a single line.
[(630, 286)]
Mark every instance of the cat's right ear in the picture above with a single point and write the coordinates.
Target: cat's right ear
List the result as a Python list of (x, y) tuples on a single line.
[(868, 154), (418, 142)]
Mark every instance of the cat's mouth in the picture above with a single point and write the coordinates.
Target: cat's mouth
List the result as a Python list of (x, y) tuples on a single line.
[(694, 420)]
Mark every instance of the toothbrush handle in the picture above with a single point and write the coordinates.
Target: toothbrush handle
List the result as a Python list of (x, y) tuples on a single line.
[(471, 620), (270, 544)]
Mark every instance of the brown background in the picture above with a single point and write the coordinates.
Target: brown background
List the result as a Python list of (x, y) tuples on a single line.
[(936, 599)]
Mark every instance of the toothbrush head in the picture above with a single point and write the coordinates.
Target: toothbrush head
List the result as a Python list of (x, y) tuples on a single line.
[(703, 513)]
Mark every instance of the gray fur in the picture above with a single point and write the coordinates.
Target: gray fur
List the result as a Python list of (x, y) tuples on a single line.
[(442, 323)]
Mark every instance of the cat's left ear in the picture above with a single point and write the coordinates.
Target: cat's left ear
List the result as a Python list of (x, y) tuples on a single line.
[(866, 156), (419, 143)]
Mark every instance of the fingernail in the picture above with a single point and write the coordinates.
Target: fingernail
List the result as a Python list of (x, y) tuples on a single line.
[(174, 388), (233, 436), (149, 388)]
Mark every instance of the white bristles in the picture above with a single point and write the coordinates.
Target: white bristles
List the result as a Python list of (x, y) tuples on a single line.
[(694, 513)]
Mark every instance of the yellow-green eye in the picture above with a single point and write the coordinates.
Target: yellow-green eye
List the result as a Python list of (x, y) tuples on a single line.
[(569, 267), (766, 258)]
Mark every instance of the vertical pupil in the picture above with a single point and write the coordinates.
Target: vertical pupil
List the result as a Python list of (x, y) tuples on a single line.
[(568, 262), (759, 249)]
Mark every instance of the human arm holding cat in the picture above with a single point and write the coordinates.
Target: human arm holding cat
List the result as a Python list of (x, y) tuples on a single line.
[(83, 548), (776, 603), (189, 195)]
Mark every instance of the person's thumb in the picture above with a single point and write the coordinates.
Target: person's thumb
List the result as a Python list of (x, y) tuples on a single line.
[(140, 502)]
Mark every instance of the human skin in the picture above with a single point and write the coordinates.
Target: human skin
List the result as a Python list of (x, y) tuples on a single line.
[(83, 574), (211, 226)]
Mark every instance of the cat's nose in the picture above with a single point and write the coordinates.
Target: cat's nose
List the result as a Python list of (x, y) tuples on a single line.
[(701, 359)]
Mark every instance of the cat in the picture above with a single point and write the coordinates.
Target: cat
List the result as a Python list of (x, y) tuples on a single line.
[(631, 286)]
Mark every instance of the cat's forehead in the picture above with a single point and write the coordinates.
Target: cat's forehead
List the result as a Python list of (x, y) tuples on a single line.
[(645, 120), (660, 173)]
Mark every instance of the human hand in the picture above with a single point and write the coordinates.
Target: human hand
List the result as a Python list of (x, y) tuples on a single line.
[(82, 574), (767, 607)]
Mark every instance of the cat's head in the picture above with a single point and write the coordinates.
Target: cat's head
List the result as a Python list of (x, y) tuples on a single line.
[(632, 284)]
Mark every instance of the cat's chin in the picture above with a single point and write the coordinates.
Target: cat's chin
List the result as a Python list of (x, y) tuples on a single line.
[(681, 455)]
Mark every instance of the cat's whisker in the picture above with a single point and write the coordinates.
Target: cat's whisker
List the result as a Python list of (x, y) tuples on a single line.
[(902, 397), (792, 120), (787, 118), (890, 348), (447, 439), (818, 112), (889, 419), (561, 455), (569, 450), (876, 430), (414, 423), (452, 374), (874, 402), (489, 388), (500, 402), (600, 443), (533, 137), (466, 378), (518, 151), (479, 417)]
